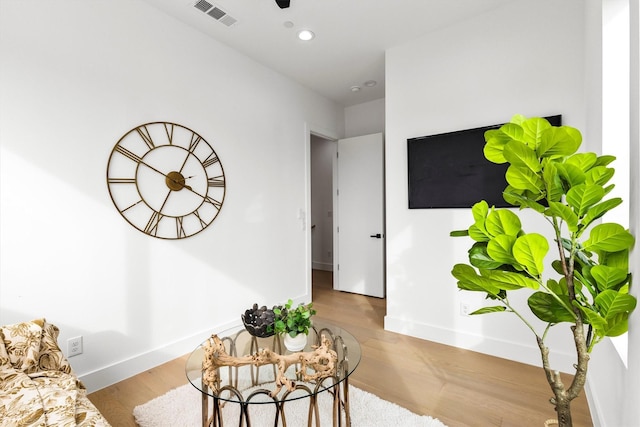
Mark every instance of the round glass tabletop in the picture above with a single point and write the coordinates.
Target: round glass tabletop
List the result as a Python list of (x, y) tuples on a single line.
[(241, 379)]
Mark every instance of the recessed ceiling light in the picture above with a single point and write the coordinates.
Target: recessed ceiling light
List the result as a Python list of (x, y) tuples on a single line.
[(288, 24), (370, 83), (306, 35), (355, 88)]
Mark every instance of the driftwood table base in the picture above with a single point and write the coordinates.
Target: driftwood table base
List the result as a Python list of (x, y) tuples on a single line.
[(270, 377)]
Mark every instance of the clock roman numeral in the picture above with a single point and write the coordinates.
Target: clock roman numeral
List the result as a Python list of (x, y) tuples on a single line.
[(216, 181), (210, 160), (195, 140), (203, 223), (146, 136), (216, 204), (152, 225), (130, 206), (122, 181), (128, 154), (180, 228), (168, 128)]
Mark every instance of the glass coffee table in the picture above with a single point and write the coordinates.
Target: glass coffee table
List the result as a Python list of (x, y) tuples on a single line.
[(250, 381)]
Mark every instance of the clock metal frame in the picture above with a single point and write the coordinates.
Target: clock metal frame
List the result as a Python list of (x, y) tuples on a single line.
[(166, 180)]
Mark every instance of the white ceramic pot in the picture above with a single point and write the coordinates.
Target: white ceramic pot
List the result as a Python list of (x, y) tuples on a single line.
[(296, 343)]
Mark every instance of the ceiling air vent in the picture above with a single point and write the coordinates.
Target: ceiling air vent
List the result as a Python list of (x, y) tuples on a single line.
[(203, 5), (215, 12)]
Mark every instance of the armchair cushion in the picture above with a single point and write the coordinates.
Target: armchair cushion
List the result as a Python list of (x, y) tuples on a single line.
[(22, 343), (37, 384)]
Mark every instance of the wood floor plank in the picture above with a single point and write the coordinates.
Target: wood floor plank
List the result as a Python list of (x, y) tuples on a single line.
[(460, 387)]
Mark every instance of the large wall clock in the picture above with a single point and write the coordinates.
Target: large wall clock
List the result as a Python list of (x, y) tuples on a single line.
[(166, 180)]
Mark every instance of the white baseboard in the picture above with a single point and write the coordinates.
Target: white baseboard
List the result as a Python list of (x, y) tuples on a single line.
[(322, 266), (529, 355), (593, 403), (109, 375)]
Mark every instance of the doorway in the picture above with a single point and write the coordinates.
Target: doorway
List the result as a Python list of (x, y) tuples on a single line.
[(322, 155), (362, 257)]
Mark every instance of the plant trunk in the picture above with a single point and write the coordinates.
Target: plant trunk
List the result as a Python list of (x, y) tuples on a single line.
[(563, 410), (563, 396)]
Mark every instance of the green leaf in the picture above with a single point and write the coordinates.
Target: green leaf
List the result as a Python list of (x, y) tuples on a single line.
[(553, 183), (503, 221), (512, 281), (549, 309), (583, 161), (487, 310), (500, 248), (478, 235), (571, 175), (604, 160), (599, 175), (594, 319), (557, 288), (583, 196), (609, 237), (518, 119), (557, 266), (494, 147), (513, 131), (597, 211), (619, 259), (530, 250), (519, 154), (559, 142), (617, 325), (524, 179), (534, 129), (469, 280), (521, 198), (613, 303), (478, 231), (608, 277), (480, 211), (479, 258), (563, 211)]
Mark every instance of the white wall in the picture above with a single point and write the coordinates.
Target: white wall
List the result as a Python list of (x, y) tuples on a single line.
[(613, 389), (631, 380), (77, 75), (491, 67), (516, 59), (364, 119), (608, 376)]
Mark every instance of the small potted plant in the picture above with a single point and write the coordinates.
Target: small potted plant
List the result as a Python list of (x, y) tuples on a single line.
[(293, 323)]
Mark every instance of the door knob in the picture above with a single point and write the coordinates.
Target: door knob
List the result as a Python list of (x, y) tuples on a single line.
[(377, 236)]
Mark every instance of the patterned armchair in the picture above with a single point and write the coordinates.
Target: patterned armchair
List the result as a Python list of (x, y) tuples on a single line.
[(37, 385)]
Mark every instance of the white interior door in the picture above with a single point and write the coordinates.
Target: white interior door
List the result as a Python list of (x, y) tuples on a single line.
[(360, 216)]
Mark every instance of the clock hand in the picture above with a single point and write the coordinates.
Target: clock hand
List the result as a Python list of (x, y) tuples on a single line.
[(179, 182), (142, 162)]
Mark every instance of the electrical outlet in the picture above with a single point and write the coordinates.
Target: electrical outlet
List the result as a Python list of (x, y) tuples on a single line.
[(74, 346), (465, 309)]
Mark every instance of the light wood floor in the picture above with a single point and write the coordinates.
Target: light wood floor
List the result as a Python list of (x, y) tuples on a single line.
[(460, 387)]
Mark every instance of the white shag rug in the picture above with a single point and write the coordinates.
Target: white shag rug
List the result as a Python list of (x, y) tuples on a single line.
[(181, 407)]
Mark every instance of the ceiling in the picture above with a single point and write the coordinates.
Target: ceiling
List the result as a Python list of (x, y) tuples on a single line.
[(351, 35)]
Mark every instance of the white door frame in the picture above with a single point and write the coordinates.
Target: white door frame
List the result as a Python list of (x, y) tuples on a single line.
[(331, 136)]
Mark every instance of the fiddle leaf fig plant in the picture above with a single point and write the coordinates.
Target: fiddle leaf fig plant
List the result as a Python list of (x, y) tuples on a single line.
[(589, 287)]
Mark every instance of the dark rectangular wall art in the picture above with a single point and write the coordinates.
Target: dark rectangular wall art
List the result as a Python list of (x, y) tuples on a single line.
[(449, 170)]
